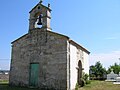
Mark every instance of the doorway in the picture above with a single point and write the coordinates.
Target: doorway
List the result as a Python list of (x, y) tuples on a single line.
[(79, 72), (34, 73)]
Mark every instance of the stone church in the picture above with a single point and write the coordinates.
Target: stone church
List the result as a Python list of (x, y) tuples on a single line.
[(45, 59)]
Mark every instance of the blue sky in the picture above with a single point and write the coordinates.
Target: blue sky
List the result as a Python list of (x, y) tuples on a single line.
[(95, 24)]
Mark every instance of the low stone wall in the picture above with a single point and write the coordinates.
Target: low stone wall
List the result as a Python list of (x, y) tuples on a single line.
[(4, 77)]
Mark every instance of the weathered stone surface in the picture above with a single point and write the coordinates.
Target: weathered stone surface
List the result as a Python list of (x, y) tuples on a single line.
[(50, 51)]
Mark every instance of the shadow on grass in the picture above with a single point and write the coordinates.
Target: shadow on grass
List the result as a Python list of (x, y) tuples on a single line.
[(7, 87)]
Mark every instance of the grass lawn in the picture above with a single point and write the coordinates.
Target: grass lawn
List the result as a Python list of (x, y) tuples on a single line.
[(101, 85), (95, 85), (7, 87), (4, 86)]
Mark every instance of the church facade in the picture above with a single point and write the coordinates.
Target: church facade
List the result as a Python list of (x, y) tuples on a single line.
[(46, 59)]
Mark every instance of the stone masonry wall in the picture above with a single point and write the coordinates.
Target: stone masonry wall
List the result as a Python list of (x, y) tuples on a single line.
[(46, 48)]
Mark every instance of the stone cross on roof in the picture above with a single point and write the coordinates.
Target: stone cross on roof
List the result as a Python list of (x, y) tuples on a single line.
[(41, 1), (112, 71)]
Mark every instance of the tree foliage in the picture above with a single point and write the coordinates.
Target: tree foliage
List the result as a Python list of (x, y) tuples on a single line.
[(97, 71), (115, 68)]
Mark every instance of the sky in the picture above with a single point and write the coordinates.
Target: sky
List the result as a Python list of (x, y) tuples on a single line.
[(94, 24)]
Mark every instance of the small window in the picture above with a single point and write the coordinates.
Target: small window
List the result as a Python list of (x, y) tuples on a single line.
[(38, 7)]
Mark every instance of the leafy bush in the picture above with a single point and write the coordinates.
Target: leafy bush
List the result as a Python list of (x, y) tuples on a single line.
[(85, 79), (88, 81), (82, 82), (77, 86)]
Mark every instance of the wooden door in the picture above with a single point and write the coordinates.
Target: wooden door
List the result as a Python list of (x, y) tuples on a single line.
[(34, 72)]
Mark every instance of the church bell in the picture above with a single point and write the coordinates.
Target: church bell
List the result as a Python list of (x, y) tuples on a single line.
[(40, 20)]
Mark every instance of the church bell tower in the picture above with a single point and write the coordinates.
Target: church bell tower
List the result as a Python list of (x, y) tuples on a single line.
[(40, 17)]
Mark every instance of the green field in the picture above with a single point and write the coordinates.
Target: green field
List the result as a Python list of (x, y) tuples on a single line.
[(100, 85), (95, 85), (7, 87), (4, 86)]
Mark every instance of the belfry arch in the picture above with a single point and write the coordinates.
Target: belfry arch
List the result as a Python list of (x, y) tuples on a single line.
[(40, 14), (38, 20)]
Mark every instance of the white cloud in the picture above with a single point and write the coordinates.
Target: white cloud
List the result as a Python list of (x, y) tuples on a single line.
[(106, 59)]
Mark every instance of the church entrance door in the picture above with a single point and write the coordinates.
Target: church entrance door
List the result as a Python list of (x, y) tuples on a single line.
[(34, 70)]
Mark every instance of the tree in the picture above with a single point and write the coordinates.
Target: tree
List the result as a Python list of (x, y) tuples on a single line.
[(115, 68), (97, 71), (92, 71)]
